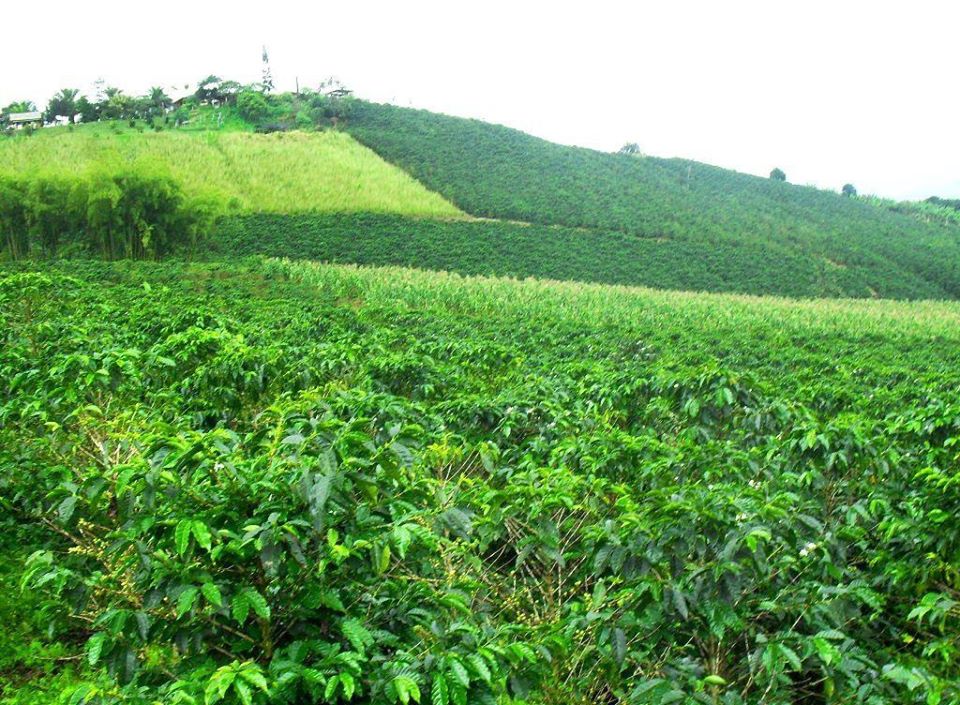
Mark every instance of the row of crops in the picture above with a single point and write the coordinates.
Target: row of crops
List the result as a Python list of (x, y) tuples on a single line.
[(556, 252), (270, 481)]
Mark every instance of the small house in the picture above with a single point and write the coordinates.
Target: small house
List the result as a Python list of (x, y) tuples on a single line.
[(18, 121)]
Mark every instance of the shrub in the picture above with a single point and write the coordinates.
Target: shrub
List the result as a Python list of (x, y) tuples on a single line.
[(253, 107)]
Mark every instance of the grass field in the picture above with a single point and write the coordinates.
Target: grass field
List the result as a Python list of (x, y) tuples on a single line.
[(240, 171), (269, 481)]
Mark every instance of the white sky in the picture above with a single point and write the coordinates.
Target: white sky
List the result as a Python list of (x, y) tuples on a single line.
[(837, 91)]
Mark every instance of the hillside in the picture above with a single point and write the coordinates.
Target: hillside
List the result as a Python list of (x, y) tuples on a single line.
[(544, 210), (497, 172), (542, 251), (238, 171), (332, 484)]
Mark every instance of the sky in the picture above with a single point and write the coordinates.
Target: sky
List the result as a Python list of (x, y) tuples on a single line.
[(830, 92)]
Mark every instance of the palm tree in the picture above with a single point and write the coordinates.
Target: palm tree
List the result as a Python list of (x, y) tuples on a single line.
[(63, 104), (159, 99)]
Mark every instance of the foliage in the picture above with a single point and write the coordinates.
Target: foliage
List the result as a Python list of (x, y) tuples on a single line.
[(253, 107), (953, 203), (510, 249), (496, 172), (778, 175), (64, 103), (848, 190), (281, 482), (132, 214)]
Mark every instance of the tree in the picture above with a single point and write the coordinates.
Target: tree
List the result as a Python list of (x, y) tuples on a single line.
[(20, 106), (778, 175), (267, 83), (630, 148), (159, 100), (117, 106), (63, 104), (849, 190), (209, 89), (229, 90), (89, 112), (252, 107)]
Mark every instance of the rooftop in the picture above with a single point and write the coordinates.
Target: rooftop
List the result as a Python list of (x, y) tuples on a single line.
[(34, 116)]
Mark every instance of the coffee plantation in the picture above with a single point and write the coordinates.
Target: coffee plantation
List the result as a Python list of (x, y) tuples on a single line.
[(268, 481)]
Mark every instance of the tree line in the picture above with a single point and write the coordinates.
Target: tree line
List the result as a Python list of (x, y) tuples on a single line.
[(330, 103), (133, 214)]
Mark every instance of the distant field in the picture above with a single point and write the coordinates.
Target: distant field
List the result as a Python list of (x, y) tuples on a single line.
[(556, 252), (497, 172), (243, 172)]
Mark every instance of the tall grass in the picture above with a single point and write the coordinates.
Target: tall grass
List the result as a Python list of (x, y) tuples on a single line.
[(596, 305), (241, 172)]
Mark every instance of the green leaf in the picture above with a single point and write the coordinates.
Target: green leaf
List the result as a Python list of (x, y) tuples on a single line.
[(252, 675), (349, 685), (438, 690), (240, 607), (522, 651), (618, 640), (331, 688), (714, 680), (458, 693), (384, 560), (83, 694), (479, 667), (212, 594), (792, 657), (181, 535), (185, 600), (680, 602), (66, 507), (243, 690), (219, 682), (356, 634), (458, 671), (407, 689), (201, 533), (258, 602), (331, 600), (95, 647), (123, 480)]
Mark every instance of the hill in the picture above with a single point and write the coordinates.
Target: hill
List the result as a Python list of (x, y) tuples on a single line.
[(497, 172), (240, 172), (538, 209), (278, 482)]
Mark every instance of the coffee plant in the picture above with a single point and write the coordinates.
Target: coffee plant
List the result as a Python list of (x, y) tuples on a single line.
[(275, 482)]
